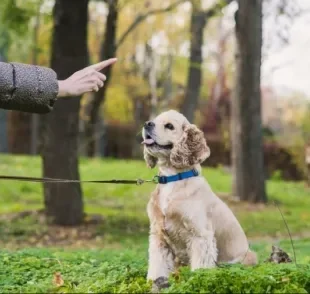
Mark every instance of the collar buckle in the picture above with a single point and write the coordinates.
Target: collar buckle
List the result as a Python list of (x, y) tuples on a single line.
[(195, 172)]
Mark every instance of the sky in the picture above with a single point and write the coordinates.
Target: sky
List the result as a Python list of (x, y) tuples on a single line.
[(288, 69)]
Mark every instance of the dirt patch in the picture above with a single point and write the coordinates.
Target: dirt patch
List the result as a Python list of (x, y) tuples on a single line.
[(299, 236), (235, 204), (30, 229)]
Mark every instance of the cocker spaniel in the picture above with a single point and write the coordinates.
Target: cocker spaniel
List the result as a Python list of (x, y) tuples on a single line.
[(189, 224)]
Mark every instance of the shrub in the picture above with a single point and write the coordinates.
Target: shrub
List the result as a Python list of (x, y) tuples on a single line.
[(106, 272), (265, 278), (277, 160)]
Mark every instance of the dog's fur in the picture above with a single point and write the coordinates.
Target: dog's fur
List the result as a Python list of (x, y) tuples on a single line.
[(189, 224)]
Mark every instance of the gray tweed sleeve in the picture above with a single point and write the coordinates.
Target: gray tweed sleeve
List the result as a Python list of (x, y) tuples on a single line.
[(27, 88)]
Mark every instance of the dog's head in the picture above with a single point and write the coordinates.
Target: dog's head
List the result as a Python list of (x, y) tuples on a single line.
[(170, 137)]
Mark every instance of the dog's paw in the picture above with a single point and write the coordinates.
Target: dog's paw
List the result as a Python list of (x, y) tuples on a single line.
[(160, 283)]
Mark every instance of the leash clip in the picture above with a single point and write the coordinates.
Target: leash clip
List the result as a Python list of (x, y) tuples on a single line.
[(155, 179)]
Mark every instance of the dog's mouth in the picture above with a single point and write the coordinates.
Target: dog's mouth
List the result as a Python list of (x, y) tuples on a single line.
[(150, 142)]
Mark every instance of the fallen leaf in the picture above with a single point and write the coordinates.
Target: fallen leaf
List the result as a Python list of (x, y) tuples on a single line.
[(278, 256), (58, 280)]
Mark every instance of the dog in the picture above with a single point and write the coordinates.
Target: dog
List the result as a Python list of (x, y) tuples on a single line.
[(189, 224)]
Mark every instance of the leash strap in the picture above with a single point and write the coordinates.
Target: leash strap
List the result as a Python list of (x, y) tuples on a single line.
[(156, 179), (64, 181), (177, 177)]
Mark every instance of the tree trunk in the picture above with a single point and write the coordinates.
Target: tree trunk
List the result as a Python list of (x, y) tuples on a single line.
[(108, 50), (190, 103), (246, 131), (35, 117), (63, 202), (167, 83), (199, 19), (152, 80), (19, 129), (19, 132), (307, 163), (22, 127)]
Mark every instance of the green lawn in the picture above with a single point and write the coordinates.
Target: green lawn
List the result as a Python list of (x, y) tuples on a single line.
[(112, 256), (123, 206)]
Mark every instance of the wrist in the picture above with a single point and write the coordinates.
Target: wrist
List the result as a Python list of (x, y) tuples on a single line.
[(62, 89)]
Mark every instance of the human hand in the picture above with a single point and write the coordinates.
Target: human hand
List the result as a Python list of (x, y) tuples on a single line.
[(86, 80)]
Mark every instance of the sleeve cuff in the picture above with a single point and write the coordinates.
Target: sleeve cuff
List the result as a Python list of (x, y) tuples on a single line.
[(35, 88)]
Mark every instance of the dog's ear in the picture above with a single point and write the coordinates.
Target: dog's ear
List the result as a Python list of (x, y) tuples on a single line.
[(191, 149), (150, 160)]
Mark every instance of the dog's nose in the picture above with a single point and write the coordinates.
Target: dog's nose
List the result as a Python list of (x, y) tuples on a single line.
[(149, 125)]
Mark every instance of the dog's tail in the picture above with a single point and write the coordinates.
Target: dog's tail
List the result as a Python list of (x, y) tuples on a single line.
[(250, 258)]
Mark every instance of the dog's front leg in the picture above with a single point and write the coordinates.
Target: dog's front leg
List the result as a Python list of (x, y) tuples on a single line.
[(161, 262), (203, 251)]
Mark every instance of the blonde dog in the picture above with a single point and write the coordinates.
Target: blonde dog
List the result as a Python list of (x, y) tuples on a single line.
[(189, 224)]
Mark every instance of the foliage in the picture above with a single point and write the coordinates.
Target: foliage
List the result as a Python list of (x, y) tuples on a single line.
[(296, 128), (261, 279), (17, 21), (115, 271), (277, 175), (14, 17), (119, 107)]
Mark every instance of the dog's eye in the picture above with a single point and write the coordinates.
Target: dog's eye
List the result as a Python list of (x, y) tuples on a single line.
[(169, 126)]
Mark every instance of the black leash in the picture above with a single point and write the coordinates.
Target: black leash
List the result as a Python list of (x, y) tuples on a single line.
[(65, 181)]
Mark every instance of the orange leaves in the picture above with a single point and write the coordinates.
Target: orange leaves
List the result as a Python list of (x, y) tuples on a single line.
[(58, 280)]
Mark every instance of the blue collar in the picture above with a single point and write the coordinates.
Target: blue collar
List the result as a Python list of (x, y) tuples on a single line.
[(177, 177)]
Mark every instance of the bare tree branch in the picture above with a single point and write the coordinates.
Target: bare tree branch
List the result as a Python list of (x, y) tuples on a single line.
[(142, 17), (198, 22), (216, 8)]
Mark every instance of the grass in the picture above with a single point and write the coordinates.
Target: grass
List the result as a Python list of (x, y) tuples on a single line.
[(124, 206), (112, 256)]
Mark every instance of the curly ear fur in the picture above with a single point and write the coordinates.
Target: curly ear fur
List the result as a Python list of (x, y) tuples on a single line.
[(150, 160), (191, 149)]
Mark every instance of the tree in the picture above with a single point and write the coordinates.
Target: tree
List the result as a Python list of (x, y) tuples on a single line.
[(246, 124), (63, 202), (109, 48), (35, 51), (14, 19), (199, 19), (217, 109)]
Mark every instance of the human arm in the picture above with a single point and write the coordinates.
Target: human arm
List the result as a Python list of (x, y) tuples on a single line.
[(35, 89), (27, 88)]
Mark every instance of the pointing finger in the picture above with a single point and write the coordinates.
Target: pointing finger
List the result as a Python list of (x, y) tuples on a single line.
[(103, 64)]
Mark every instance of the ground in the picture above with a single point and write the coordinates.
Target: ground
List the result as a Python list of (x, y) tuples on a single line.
[(109, 252)]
